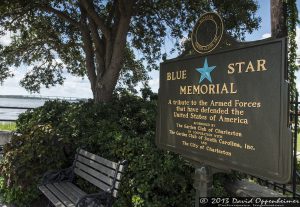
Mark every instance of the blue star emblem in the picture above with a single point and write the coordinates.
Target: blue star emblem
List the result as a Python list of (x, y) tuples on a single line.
[(205, 71)]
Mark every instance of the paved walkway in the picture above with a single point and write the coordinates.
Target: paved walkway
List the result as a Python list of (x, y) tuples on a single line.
[(2, 205)]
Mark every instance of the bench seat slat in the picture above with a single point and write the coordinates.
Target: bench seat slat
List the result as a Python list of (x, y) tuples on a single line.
[(65, 200), (99, 159), (51, 196), (71, 193), (68, 194), (74, 188), (60, 195), (105, 170)]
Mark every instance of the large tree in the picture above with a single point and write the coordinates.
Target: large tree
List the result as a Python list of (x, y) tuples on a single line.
[(284, 19), (99, 37)]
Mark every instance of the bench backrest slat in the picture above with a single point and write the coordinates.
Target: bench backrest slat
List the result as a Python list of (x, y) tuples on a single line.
[(98, 171), (91, 179), (101, 168), (100, 160)]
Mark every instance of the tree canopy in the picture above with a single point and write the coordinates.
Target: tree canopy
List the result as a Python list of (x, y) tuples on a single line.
[(99, 38)]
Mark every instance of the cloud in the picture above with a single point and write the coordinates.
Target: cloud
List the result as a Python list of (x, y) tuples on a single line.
[(72, 87), (154, 84), (266, 35)]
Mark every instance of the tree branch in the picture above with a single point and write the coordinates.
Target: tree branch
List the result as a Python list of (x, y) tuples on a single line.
[(126, 7), (89, 52), (122, 7), (120, 29), (99, 47), (60, 14), (108, 52), (95, 35), (111, 13), (118, 52), (89, 7), (109, 42)]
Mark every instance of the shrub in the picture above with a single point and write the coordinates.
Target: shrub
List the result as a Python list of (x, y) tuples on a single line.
[(123, 129)]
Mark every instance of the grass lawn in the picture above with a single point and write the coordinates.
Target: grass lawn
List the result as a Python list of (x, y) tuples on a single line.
[(10, 126)]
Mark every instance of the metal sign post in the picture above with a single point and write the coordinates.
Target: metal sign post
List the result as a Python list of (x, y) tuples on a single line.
[(203, 179)]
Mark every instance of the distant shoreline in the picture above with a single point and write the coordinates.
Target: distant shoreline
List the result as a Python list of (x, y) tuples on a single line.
[(42, 97), (18, 96)]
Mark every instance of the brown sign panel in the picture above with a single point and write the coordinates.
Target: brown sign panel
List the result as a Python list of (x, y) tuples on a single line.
[(229, 109)]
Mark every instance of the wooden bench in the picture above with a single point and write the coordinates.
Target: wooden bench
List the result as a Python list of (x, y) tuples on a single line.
[(59, 188)]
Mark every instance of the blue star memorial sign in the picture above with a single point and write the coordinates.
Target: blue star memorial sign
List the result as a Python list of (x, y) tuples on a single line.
[(205, 71)]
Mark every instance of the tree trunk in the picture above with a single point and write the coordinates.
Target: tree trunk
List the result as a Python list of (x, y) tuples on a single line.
[(278, 18), (105, 87), (103, 94), (106, 84)]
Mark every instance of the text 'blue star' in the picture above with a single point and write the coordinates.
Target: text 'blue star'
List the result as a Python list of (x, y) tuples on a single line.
[(205, 71)]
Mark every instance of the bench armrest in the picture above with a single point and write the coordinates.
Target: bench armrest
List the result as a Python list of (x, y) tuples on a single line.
[(96, 199), (57, 176)]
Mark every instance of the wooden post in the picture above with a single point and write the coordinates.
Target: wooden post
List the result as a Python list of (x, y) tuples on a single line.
[(278, 18)]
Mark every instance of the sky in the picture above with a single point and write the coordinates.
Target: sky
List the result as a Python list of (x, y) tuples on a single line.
[(80, 87)]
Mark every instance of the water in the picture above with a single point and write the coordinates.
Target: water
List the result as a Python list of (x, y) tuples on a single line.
[(12, 114)]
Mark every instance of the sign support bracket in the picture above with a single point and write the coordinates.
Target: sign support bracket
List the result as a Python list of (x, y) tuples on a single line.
[(203, 181)]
